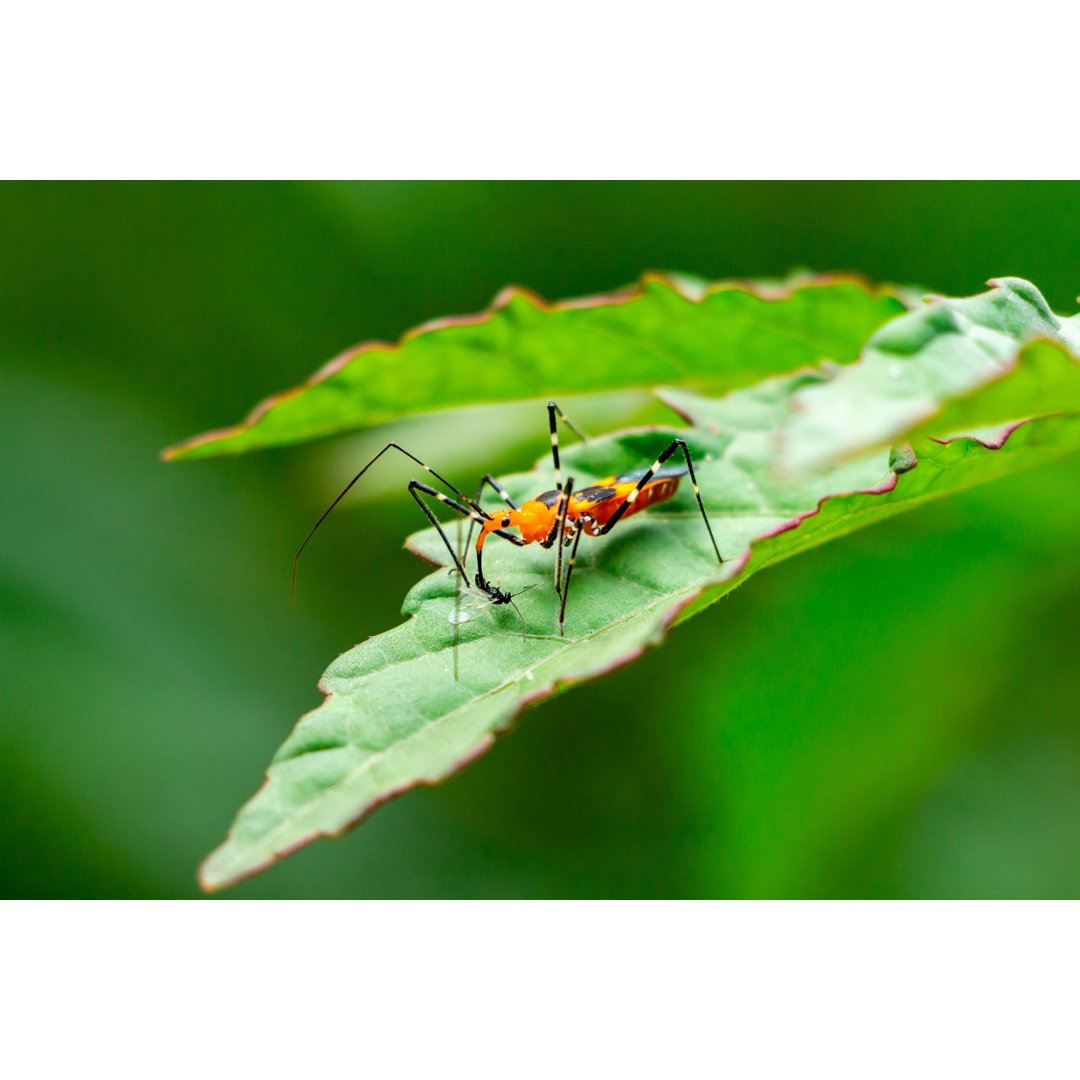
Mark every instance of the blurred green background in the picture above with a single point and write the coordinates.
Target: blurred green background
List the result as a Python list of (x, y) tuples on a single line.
[(895, 714)]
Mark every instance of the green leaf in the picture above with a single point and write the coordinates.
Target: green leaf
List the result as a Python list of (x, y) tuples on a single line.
[(953, 364), (666, 329), (397, 713)]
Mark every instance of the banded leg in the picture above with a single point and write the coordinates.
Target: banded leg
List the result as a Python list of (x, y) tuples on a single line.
[(415, 487), (553, 411), (559, 532), (347, 488), (579, 528), (492, 483), (630, 499)]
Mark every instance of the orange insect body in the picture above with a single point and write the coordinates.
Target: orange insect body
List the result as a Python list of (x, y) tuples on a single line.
[(537, 519)]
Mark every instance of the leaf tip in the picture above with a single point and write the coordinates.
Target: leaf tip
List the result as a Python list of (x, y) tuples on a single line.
[(209, 879), (223, 868)]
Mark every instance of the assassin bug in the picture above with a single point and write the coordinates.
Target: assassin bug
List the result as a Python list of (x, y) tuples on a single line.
[(557, 517)]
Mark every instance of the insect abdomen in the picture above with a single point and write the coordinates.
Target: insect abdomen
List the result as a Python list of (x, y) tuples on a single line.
[(657, 492), (651, 494)]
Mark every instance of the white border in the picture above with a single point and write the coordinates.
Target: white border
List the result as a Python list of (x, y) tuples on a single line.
[(566, 90), (539, 990)]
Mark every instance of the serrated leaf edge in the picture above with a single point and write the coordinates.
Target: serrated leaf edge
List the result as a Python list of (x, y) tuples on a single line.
[(763, 291)]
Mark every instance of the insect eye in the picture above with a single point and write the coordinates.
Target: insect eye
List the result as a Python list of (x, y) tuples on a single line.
[(506, 522)]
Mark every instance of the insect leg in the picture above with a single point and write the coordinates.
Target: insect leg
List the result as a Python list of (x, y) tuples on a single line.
[(348, 486), (560, 531), (415, 487), (578, 530), (457, 600), (494, 485), (481, 582), (630, 499), (553, 411)]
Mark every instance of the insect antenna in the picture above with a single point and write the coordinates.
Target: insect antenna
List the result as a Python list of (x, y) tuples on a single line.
[(524, 625), (470, 505)]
